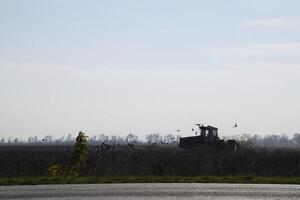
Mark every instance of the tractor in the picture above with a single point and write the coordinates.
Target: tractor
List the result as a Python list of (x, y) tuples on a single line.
[(208, 135)]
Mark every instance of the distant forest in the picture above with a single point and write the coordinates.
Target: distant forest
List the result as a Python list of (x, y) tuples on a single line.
[(157, 155), (254, 140)]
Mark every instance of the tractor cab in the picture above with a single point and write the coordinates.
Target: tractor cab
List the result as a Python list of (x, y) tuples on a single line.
[(209, 134), (205, 135)]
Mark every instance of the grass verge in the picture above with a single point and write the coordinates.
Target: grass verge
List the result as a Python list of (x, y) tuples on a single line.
[(148, 179)]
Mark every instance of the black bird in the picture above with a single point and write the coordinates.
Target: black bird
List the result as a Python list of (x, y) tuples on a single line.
[(235, 126)]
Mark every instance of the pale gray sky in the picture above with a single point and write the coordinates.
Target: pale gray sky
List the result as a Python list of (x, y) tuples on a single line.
[(149, 66)]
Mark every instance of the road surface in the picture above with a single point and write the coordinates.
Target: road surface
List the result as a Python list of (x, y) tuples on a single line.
[(151, 191)]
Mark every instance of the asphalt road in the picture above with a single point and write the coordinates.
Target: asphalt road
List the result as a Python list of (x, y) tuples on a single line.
[(152, 191)]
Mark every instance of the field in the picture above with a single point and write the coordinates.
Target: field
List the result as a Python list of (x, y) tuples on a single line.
[(149, 179), (149, 163)]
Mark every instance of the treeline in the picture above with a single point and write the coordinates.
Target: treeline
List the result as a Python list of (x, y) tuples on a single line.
[(154, 138), (270, 140), (151, 159), (247, 139)]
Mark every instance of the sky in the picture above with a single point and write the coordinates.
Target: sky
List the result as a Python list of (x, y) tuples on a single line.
[(141, 67)]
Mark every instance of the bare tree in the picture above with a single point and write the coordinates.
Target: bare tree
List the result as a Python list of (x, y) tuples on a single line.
[(153, 138), (48, 139)]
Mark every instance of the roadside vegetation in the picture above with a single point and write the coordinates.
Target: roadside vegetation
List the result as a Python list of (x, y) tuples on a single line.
[(148, 179)]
